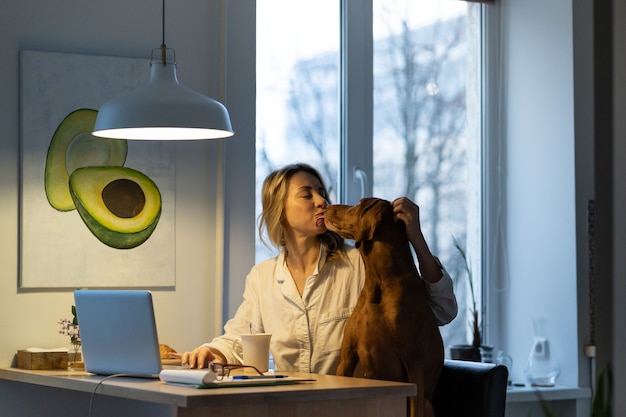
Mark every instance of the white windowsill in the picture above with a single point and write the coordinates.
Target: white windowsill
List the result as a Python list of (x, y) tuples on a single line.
[(529, 393)]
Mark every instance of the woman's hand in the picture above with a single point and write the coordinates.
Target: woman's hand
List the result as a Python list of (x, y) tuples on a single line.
[(199, 357), (409, 212)]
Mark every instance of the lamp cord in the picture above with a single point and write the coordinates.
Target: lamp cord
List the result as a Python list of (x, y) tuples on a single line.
[(163, 24), (163, 47)]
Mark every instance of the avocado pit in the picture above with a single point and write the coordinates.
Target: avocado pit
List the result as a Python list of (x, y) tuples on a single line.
[(124, 198)]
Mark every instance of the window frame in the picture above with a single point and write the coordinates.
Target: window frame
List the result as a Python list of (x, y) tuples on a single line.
[(507, 325), (238, 169), (356, 85)]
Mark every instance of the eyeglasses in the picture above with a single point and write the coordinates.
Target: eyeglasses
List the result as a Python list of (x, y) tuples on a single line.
[(222, 370)]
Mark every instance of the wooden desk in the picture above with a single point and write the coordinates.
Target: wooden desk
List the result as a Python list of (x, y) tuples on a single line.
[(54, 393)]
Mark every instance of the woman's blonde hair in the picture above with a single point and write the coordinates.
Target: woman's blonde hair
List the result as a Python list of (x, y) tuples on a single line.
[(273, 196)]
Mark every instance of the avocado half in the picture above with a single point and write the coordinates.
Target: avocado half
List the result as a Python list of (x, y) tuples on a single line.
[(121, 206), (73, 146)]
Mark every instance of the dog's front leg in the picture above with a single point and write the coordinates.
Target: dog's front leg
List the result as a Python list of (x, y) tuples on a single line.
[(347, 362), (349, 358), (420, 405)]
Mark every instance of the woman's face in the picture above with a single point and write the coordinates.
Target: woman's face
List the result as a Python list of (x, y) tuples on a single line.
[(305, 205)]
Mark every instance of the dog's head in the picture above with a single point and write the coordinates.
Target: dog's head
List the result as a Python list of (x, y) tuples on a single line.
[(360, 222)]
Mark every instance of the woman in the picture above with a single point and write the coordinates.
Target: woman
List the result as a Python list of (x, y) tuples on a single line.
[(304, 296)]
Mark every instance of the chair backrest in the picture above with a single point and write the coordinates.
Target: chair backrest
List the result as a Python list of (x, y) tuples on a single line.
[(471, 389)]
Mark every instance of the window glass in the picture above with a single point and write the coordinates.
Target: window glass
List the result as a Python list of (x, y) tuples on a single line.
[(426, 115), (297, 102), (427, 130)]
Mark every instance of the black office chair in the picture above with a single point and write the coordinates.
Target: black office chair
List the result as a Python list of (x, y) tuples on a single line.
[(470, 389)]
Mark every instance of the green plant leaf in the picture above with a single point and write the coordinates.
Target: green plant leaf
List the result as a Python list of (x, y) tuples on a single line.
[(75, 319), (603, 397), (475, 325)]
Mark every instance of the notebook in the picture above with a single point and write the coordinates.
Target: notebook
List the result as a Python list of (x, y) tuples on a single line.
[(118, 332), (203, 378)]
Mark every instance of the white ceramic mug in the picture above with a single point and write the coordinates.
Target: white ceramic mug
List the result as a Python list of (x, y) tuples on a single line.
[(256, 350)]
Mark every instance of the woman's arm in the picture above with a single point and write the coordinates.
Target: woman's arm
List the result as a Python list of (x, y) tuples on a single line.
[(441, 298), (440, 288)]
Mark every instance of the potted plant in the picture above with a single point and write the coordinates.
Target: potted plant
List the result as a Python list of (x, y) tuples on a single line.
[(472, 351), (70, 328)]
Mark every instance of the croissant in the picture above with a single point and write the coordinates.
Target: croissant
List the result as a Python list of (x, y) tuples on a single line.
[(165, 350)]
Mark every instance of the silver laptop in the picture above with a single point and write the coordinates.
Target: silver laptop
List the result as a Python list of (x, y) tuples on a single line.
[(118, 332)]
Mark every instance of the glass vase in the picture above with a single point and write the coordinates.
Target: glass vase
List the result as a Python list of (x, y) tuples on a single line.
[(75, 357), (542, 367)]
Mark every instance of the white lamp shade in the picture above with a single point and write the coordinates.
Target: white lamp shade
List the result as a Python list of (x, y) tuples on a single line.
[(163, 110)]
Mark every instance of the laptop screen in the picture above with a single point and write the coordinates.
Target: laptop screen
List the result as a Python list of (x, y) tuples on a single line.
[(118, 332)]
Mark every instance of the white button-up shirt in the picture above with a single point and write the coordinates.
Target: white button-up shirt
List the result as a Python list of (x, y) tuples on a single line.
[(307, 330)]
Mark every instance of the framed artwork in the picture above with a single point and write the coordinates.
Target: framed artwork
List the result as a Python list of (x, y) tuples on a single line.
[(93, 212)]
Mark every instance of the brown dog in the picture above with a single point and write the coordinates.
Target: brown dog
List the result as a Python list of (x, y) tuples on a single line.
[(392, 333)]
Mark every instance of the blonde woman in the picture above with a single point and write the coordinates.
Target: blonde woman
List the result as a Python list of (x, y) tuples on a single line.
[(304, 295)]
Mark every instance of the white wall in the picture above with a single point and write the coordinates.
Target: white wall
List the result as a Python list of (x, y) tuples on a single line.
[(190, 313), (561, 153), (540, 191)]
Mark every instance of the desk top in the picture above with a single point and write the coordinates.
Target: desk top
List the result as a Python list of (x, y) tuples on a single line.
[(325, 387)]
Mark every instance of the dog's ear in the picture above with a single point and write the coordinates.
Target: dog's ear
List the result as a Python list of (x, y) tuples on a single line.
[(370, 215)]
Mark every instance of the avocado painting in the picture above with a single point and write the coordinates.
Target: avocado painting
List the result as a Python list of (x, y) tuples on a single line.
[(121, 206), (73, 146), (94, 212)]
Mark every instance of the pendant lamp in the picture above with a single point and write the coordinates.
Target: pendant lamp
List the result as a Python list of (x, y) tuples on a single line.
[(163, 109)]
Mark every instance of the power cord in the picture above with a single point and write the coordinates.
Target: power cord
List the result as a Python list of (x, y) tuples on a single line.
[(93, 393)]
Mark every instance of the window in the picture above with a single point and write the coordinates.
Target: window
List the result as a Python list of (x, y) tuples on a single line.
[(412, 69)]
